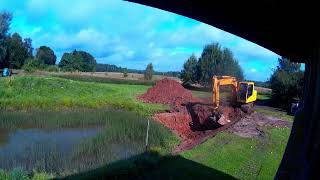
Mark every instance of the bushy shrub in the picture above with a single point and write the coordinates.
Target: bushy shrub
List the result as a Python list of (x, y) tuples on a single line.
[(52, 68), (78, 60), (286, 83), (32, 65)]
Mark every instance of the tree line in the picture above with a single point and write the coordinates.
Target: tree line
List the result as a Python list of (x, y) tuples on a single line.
[(214, 60), (17, 53), (115, 68)]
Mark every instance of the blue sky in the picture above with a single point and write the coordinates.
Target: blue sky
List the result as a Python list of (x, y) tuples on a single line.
[(129, 35)]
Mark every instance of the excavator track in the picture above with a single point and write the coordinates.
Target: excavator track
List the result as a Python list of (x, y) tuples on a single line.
[(247, 108)]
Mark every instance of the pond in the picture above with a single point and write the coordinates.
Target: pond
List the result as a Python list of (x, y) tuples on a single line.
[(43, 149), (72, 141)]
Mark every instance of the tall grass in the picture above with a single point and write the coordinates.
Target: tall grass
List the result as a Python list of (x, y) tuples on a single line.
[(57, 93), (20, 174), (68, 118), (124, 138)]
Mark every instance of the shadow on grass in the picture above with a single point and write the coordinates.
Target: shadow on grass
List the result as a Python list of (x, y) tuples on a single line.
[(263, 102), (153, 166)]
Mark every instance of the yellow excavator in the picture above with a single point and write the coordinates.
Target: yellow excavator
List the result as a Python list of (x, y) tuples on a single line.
[(244, 94)]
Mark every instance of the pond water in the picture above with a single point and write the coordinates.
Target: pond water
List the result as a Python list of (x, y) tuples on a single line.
[(71, 141), (43, 149)]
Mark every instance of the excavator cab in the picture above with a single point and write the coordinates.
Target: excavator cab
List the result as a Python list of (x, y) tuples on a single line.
[(246, 92)]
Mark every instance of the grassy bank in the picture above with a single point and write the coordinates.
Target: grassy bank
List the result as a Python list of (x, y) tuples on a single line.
[(57, 93), (88, 78)]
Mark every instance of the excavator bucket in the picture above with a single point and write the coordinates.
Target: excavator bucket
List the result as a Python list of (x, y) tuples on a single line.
[(219, 118)]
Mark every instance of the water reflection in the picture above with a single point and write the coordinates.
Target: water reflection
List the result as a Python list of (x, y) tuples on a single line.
[(41, 149)]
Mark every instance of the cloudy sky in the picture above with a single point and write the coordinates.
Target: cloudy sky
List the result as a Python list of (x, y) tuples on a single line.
[(129, 35)]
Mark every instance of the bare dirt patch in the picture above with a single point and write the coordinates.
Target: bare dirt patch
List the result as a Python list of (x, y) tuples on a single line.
[(251, 125)]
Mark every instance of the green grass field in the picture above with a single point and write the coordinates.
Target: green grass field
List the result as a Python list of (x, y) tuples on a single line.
[(201, 94), (205, 94), (264, 96), (57, 93)]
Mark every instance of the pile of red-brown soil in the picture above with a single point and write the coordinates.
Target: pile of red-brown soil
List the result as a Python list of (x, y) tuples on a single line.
[(167, 91)]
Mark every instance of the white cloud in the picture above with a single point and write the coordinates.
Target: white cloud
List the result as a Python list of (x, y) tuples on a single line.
[(36, 30), (253, 70)]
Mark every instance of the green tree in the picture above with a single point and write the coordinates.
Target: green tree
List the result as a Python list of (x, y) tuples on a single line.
[(209, 62), (17, 51), (5, 20), (188, 73), (213, 61), (288, 66), (230, 66), (46, 55), (286, 83), (28, 46), (78, 60), (148, 73)]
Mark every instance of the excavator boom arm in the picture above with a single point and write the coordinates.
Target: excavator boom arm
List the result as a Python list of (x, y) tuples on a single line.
[(218, 81)]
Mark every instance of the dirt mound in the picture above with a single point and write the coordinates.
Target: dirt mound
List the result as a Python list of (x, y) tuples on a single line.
[(167, 91)]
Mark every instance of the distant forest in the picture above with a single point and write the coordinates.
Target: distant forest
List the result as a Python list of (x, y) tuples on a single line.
[(114, 68)]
